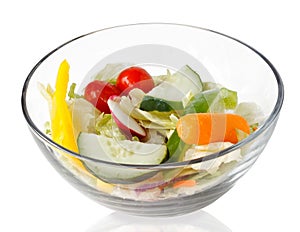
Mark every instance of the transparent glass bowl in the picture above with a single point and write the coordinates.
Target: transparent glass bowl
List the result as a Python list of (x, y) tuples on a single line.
[(215, 56)]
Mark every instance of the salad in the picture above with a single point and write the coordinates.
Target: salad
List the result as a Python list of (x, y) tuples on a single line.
[(125, 115)]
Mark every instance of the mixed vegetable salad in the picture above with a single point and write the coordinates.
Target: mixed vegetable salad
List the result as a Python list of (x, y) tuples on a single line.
[(132, 117)]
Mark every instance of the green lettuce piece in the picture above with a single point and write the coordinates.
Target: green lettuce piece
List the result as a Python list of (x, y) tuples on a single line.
[(84, 115), (72, 94), (211, 85), (161, 78), (251, 112), (110, 72), (165, 119), (105, 125), (214, 100), (148, 119), (241, 135), (47, 126)]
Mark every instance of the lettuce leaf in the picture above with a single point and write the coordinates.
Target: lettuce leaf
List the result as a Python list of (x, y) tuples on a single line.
[(105, 125), (251, 112), (72, 94), (212, 166), (84, 116), (214, 100), (111, 71)]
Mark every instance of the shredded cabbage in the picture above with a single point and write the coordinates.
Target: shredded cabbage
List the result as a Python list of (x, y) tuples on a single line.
[(105, 125), (251, 112), (111, 71), (84, 116), (212, 166)]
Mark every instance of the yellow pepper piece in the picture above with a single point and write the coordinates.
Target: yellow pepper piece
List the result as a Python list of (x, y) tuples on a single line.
[(62, 129), (61, 123), (61, 120)]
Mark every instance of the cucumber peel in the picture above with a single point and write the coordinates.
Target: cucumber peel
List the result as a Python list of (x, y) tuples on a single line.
[(150, 103), (170, 94), (121, 152)]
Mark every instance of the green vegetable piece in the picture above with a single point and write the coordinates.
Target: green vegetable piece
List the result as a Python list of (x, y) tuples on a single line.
[(176, 148), (214, 100), (105, 125), (71, 93), (120, 152), (151, 103), (229, 97), (171, 93), (210, 85)]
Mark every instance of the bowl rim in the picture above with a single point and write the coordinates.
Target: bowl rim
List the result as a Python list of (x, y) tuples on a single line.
[(268, 122)]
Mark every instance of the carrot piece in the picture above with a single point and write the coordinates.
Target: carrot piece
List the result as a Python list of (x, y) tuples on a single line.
[(184, 183), (205, 128)]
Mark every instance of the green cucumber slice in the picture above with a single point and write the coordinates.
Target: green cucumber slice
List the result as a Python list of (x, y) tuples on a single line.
[(169, 95), (176, 148), (150, 103), (193, 76), (121, 152)]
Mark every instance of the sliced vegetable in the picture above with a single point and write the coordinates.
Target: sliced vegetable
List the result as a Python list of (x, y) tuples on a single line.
[(84, 116), (214, 100), (71, 93), (251, 112), (211, 166), (170, 94), (111, 71), (176, 148), (124, 121), (151, 103), (211, 85), (161, 78), (184, 183), (164, 119), (61, 121), (188, 74), (120, 152), (205, 128)]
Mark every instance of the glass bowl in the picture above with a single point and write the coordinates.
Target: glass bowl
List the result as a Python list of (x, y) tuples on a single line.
[(215, 56)]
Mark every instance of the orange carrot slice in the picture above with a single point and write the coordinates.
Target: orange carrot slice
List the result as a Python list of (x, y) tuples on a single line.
[(184, 183), (205, 128)]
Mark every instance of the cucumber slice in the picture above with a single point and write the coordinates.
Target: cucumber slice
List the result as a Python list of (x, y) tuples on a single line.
[(169, 95), (122, 152), (187, 72), (176, 148), (150, 103)]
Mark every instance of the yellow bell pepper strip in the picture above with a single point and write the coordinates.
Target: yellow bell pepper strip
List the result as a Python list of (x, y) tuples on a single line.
[(61, 123), (62, 129)]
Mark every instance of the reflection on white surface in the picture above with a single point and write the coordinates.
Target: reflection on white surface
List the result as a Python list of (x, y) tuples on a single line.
[(199, 221)]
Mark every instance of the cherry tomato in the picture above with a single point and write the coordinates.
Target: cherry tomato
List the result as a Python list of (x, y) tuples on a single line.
[(134, 77), (97, 92)]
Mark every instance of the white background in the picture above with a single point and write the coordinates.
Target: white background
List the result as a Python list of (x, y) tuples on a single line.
[(33, 197)]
